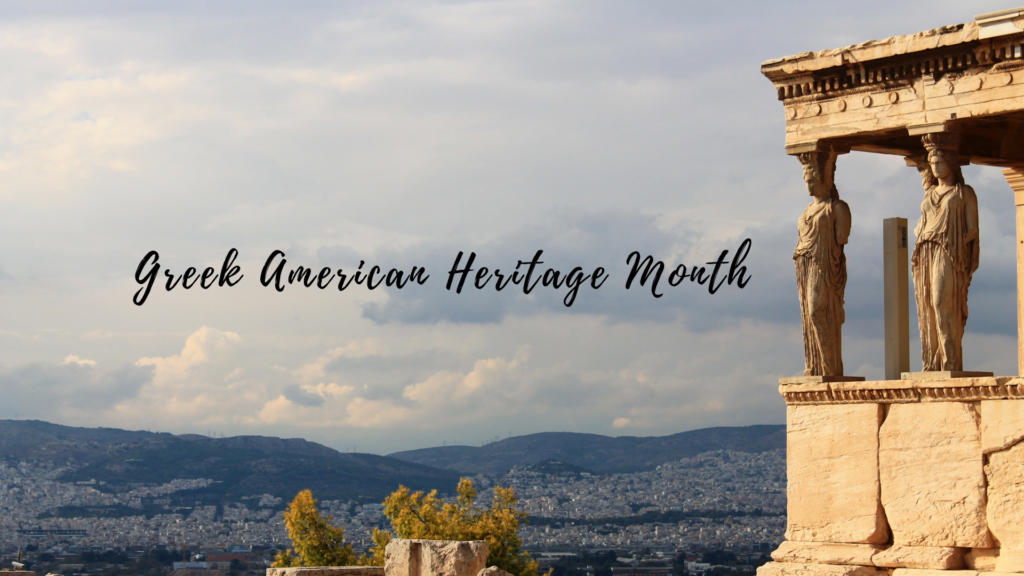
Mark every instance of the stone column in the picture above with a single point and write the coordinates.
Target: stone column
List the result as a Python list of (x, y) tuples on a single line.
[(823, 231), (1015, 178), (946, 252)]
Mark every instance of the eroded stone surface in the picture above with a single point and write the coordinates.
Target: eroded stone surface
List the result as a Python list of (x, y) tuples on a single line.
[(924, 557), (781, 569), (326, 571), (1005, 472), (825, 553), (434, 558), (1002, 424), (932, 477), (493, 571), (981, 559), (832, 463), (917, 572), (1010, 560)]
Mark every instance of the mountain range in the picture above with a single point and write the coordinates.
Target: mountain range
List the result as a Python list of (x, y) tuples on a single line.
[(605, 454), (253, 465), (240, 466)]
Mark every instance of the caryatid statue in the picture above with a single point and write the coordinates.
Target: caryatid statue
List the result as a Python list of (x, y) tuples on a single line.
[(824, 229), (945, 255)]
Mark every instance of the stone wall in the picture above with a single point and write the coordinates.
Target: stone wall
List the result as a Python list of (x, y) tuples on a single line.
[(904, 477), (413, 558)]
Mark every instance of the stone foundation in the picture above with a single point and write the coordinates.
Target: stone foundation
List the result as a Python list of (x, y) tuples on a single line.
[(909, 478), (410, 558), (327, 571)]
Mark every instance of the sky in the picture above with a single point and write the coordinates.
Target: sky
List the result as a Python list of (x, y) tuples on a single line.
[(401, 134)]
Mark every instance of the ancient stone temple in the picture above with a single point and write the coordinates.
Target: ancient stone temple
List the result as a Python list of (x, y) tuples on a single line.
[(924, 473)]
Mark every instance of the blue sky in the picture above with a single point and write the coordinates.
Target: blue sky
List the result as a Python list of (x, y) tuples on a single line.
[(401, 133)]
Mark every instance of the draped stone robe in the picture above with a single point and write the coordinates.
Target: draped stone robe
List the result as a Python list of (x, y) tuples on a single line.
[(942, 266), (821, 280)]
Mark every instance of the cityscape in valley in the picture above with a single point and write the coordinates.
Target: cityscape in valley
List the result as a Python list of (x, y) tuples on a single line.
[(728, 501)]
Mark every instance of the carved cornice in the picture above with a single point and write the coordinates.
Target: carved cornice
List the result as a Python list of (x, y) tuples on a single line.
[(904, 391)]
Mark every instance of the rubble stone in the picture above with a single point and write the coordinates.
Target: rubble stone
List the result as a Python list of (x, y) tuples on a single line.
[(434, 558)]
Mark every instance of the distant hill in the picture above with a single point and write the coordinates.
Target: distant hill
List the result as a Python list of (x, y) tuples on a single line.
[(598, 453), (38, 440), (240, 466)]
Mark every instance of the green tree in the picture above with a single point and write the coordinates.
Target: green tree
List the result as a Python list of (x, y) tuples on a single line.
[(427, 517)]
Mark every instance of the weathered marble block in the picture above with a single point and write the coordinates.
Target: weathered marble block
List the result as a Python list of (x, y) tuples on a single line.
[(922, 557), (326, 571), (832, 462), (826, 553), (434, 558), (1005, 510), (780, 569), (1002, 424), (932, 476), (983, 559)]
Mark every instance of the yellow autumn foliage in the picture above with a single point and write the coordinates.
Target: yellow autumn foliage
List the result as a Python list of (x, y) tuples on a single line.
[(316, 541), (427, 517)]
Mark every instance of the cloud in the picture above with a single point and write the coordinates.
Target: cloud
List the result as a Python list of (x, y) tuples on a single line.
[(302, 397), (77, 360), (72, 389)]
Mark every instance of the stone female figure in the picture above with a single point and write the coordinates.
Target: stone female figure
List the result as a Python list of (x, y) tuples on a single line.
[(824, 229), (945, 255)]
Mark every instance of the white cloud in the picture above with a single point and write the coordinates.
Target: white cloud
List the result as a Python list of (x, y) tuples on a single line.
[(76, 360)]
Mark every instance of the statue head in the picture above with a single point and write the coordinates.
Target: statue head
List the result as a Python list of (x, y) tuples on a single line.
[(943, 158), (819, 173), (928, 179)]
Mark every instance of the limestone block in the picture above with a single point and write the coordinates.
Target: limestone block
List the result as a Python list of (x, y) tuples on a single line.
[(825, 553), (832, 463), (326, 571), (493, 571), (781, 569), (983, 559), (1010, 561), (916, 572), (932, 476), (1005, 473), (434, 558), (925, 557), (1002, 424)]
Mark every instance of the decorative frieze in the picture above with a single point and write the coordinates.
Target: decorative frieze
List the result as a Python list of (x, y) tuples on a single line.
[(904, 391)]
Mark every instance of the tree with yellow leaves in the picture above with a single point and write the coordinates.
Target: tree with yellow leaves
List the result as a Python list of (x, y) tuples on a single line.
[(316, 540), (415, 515)]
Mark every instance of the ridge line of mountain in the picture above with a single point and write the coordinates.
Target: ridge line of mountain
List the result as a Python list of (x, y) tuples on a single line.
[(253, 465)]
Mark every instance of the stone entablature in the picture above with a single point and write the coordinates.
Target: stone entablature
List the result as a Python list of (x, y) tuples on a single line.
[(876, 96), (904, 391)]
